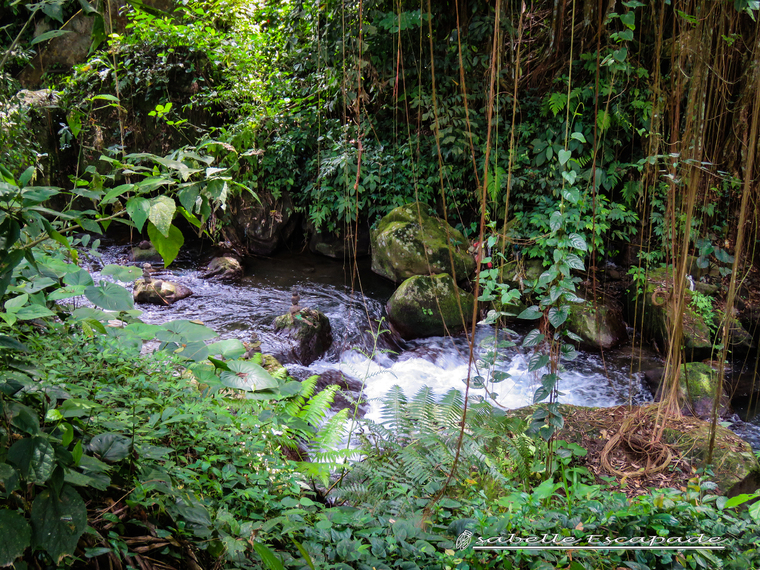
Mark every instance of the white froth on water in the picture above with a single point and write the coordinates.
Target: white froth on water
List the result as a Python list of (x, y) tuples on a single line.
[(442, 364)]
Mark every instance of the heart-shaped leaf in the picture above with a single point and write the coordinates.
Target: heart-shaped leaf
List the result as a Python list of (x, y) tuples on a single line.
[(564, 156), (58, 521), (248, 376)]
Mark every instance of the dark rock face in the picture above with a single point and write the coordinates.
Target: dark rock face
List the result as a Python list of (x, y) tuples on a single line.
[(656, 312), (309, 331), (159, 292), (349, 390), (696, 389), (429, 306), (225, 268), (599, 324), (350, 243), (260, 228), (408, 242)]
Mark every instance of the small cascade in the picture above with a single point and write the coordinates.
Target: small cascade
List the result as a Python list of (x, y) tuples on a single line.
[(249, 308)]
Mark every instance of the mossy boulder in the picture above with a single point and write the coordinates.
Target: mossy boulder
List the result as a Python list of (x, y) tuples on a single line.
[(696, 387), (309, 332), (159, 292), (224, 268), (409, 242), (425, 306), (734, 466), (655, 313), (600, 325), (145, 252)]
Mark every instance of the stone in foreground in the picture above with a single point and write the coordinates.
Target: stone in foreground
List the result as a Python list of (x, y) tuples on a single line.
[(159, 292), (309, 331), (429, 306)]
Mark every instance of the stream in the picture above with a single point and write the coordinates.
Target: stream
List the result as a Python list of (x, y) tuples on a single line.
[(250, 306)]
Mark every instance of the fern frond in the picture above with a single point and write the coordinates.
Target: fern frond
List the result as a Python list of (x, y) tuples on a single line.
[(333, 432), (393, 411), (317, 407)]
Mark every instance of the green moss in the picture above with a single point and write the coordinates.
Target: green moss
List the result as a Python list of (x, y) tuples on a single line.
[(429, 306), (408, 243), (658, 313)]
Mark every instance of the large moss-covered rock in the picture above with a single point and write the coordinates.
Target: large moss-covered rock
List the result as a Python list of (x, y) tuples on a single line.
[(159, 292), (655, 313), (409, 242), (696, 387), (309, 331), (429, 306), (600, 325)]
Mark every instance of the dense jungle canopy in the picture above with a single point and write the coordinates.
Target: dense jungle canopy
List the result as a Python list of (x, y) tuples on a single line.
[(590, 138)]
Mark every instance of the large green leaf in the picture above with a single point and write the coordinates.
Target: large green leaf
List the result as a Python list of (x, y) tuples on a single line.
[(161, 214), (34, 458), (58, 521), (126, 274), (248, 376), (110, 296), (167, 247), (230, 348), (17, 536), (111, 447), (31, 312), (195, 351), (81, 277), (268, 557), (8, 479), (189, 331), (138, 209)]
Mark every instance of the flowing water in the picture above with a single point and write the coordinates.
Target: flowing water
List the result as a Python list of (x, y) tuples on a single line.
[(247, 310)]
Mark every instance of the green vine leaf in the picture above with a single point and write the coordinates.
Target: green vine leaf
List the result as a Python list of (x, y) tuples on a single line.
[(577, 242), (17, 536), (167, 246), (161, 214), (533, 338), (138, 209), (58, 521)]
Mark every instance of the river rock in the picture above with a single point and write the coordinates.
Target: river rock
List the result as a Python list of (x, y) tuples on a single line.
[(409, 242), (261, 226), (696, 387), (224, 268), (309, 331), (600, 325), (425, 306), (145, 252), (655, 311), (348, 394), (159, 292)]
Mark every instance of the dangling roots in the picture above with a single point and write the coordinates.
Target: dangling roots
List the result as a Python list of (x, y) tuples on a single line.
[(639, 436)]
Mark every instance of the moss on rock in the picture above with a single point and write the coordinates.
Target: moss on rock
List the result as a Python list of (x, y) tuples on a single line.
[(310, 333), (409, 242), (656, 311), (429, 306), (599, 327)]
